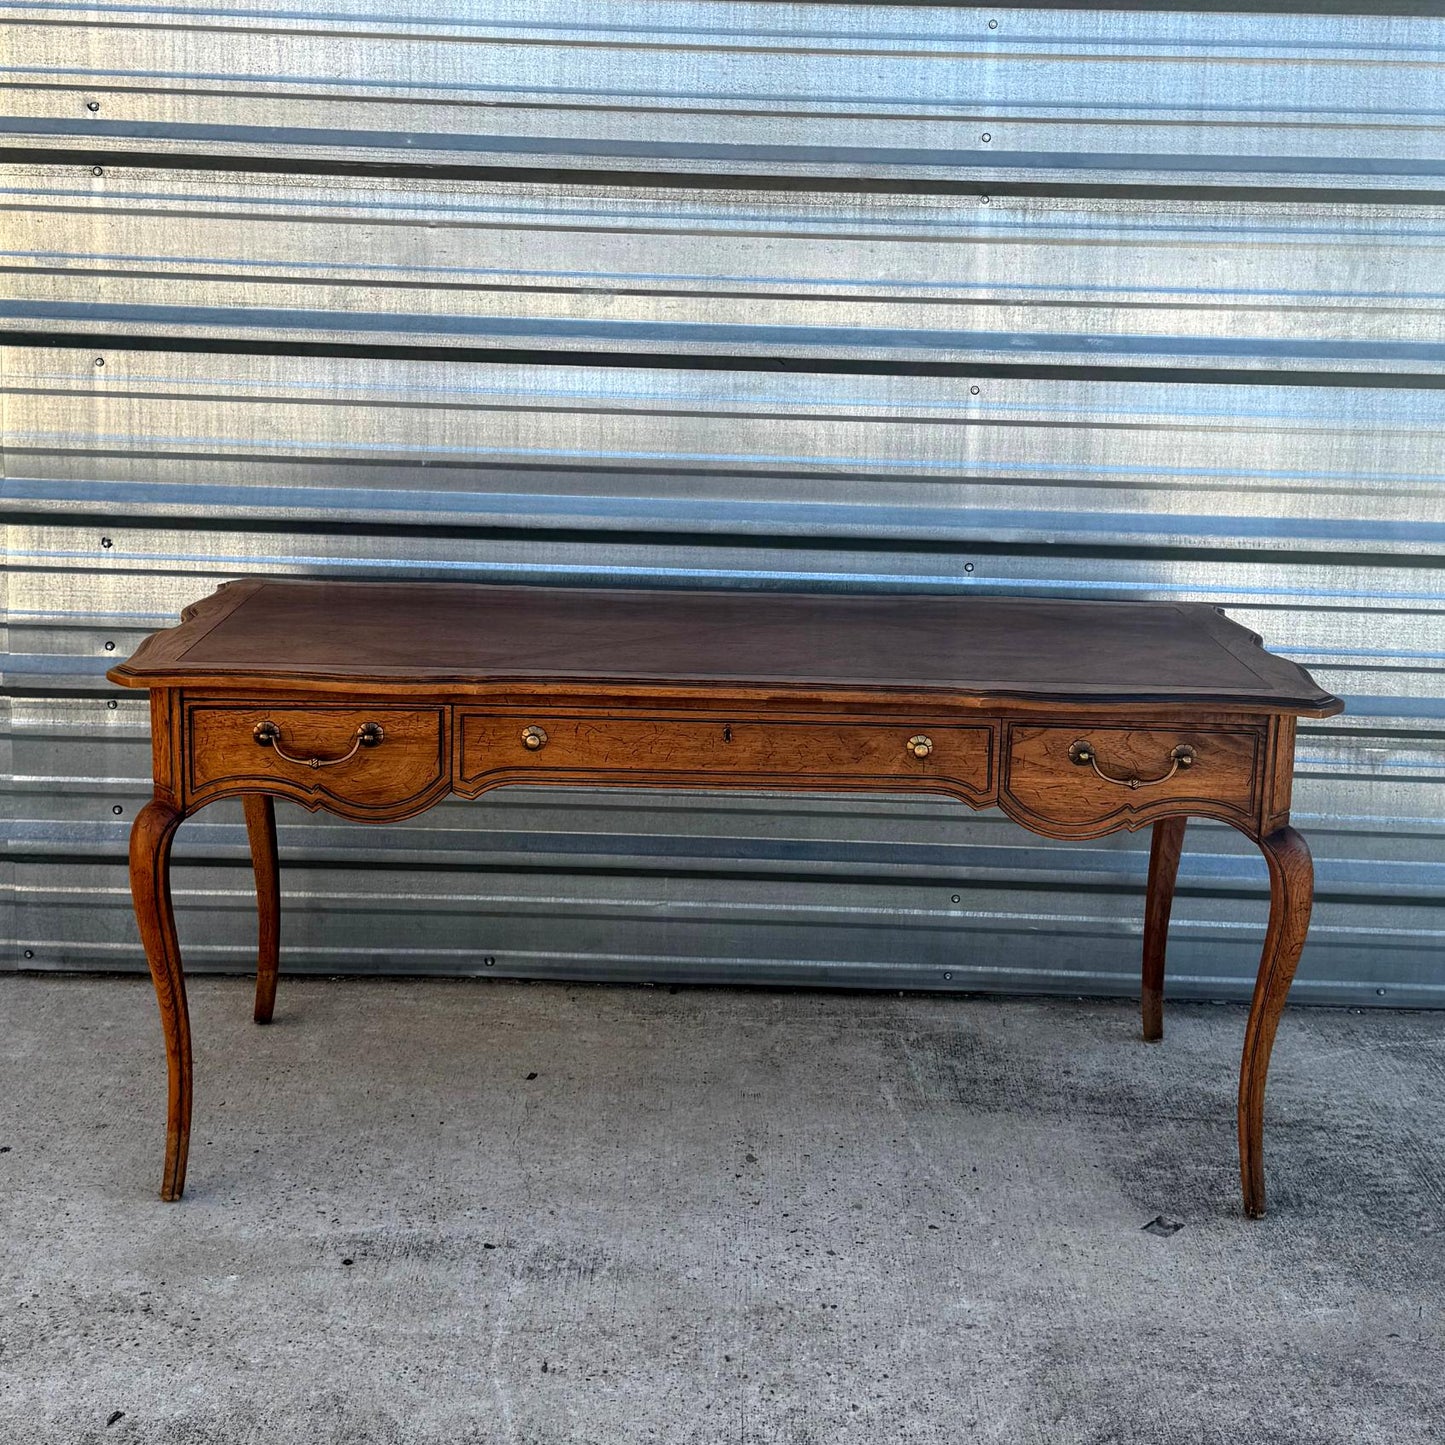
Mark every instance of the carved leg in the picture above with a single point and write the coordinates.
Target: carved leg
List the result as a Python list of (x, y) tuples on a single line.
[(150, 883), (261, 829), (1164, 851), (1291, 896)]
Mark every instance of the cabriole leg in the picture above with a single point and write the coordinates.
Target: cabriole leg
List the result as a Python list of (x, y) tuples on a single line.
[(1291, 896), (150, 882), (261, 829), (1164, 851)]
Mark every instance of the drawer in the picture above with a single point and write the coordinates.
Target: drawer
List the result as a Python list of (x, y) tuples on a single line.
[(1090, 779), (371, 761), (719, 751)]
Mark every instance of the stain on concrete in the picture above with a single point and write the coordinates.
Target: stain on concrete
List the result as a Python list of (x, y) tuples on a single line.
[(759, 1218)]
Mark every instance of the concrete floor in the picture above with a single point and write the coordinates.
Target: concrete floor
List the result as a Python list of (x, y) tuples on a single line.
[(549, 1215)]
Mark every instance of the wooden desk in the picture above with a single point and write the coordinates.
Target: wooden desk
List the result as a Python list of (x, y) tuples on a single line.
[(376, 700)]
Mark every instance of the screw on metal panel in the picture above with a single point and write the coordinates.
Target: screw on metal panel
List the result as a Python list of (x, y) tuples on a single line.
[(112, 704), (968, 566), (955, 897), (92, 105), (110, 647), (29, 953), (489, 960), (106, 542), (983, 200), (97, 170), (100, 361), (948, 975), (973, 391), (117, 810), (993, 24), (1381, 992), (985, 137)]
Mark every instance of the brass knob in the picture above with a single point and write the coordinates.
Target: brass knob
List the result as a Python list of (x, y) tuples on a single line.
[(534, 739), (920, 746)]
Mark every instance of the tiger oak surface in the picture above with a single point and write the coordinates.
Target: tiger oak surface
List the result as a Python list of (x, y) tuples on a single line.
[(374, 701)]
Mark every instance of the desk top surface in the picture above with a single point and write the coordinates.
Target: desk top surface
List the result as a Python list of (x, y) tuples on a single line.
[(332, 634)]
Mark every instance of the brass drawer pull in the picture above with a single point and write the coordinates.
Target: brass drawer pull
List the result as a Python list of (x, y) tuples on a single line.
[(920, 746), (1082, 753), (268, 735), (534, 739)]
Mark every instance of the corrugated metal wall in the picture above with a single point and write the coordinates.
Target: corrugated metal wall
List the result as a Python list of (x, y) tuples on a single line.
[(1097, 302)]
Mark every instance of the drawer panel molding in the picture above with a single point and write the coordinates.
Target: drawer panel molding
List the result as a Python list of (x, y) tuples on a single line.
[(1085, 779), (723, 751), (377, 762)]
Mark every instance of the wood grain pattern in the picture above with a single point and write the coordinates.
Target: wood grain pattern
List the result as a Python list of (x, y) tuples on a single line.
[(727, 750), (150, 883), (1277, 784), (470, 636), (407, 771), (1291, 899), (265, 864), (978, 698), (168, 739), (1165, 848), (1041, 786)]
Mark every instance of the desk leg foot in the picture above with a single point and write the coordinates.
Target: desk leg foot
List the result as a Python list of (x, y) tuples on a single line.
[(150, 881), (1291, 896), (261, 830), (1164, 851)]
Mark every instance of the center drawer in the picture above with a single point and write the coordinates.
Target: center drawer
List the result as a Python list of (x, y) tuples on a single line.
[(772, 752)]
